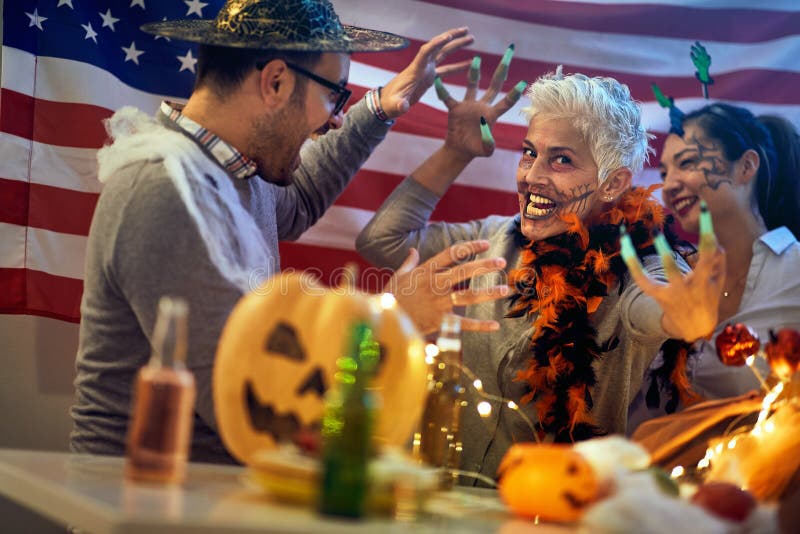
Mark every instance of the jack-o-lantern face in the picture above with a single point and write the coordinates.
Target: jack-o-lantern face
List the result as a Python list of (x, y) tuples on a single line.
[(736, 343), (553, 482), (277, 358), (273, 418)]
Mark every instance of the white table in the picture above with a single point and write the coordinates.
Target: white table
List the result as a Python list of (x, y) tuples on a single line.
[(91, 494)]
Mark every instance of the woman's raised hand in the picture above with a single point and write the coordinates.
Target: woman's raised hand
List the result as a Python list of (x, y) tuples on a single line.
[(690, 302), (469, 121)]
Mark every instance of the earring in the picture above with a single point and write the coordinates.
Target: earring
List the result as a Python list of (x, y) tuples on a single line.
[(608, 198)]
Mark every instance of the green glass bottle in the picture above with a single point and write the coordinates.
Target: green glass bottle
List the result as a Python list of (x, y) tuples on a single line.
[(347, 427)]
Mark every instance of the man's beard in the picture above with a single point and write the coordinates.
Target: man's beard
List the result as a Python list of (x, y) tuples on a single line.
[(275, 142)]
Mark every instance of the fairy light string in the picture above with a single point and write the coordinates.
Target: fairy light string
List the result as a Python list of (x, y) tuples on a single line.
[(484, 409)]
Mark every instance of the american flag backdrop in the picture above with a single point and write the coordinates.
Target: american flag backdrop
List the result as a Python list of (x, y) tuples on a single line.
[(67, 64)]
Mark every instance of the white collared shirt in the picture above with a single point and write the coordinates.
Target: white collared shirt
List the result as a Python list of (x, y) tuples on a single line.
[(771, 301)]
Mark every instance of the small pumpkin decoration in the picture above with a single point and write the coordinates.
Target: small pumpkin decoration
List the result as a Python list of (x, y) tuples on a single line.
[(783, 352), (550, 481), (736, 343), (277, 355)]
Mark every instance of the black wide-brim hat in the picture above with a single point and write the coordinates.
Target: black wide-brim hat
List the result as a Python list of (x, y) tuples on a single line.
[(289, 25)]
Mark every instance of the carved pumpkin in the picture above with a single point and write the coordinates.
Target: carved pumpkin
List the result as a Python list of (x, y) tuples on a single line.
[(277, 357), (736, 343), (553, 482)]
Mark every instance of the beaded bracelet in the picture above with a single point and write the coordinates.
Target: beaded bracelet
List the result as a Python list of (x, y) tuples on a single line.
[(374, 105)]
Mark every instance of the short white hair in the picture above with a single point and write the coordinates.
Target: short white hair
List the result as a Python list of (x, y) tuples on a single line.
[(602, 109)]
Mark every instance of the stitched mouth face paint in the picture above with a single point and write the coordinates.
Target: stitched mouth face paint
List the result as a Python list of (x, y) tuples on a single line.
[(556, 177)]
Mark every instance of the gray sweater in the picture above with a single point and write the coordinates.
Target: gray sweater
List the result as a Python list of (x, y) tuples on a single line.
[(627, 323), (144, 244)]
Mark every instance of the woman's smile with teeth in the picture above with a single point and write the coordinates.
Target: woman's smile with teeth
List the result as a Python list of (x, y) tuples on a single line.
[(538, 206), (683, 203)]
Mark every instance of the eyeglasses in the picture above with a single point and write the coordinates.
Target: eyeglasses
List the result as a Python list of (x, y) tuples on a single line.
[(343, 94)]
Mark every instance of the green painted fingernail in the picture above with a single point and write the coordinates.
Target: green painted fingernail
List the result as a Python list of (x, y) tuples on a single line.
[(486, 133), (520, 87), (662, 247), (626, 250), (706, 226), (475, 70), (506, 61), (507, 55), (441, 92)]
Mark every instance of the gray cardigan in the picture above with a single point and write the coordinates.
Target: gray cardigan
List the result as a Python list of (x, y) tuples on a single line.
[(144, 244), (630, 317)]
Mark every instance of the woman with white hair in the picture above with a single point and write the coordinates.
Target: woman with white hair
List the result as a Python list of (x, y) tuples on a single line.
[(575, 336)]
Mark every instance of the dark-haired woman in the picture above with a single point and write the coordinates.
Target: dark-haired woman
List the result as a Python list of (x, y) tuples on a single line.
[(747, 170)]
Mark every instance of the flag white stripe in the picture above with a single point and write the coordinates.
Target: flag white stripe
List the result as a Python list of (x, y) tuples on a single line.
[(82, 83), (12, 246), (654, 117), (66, 80), (55, 252), (15, 153), (23, 66), (338, 228), (62, 254), (496, 172), (56, 166), (550, 44), (74, 168)]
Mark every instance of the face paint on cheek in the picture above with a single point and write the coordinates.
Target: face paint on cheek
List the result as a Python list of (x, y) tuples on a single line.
[(575, 201), (711, 163)]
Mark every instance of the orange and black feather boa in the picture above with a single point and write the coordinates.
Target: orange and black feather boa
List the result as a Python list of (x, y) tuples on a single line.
[(559, 283)]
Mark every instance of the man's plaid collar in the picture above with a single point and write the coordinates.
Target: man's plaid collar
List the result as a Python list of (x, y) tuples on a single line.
[(233, 161)]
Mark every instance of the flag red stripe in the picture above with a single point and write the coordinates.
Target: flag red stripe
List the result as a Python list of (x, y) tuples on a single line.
[(68, 211), (70, 124), (12, 290), (43, 206), (427, 121), (369, 189), (47, 295), (61, 210), (14, 200), (80, 125), (65, 128), (746, 85), (328, 262), (681, 22), (16, 113), (55, 123)]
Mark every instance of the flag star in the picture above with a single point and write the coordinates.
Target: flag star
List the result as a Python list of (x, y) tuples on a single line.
[(139, 3), (131, 54), (109, 19), (161, 36), (36, 19), (65, 3), (187, 62), (195, 6), (90, 33)]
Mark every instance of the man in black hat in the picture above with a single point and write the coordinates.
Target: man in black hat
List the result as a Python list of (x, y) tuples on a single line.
[(196, 199)]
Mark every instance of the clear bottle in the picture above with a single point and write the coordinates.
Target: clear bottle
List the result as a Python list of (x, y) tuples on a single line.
[(347, 427), (160, 431), (440, 435)]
